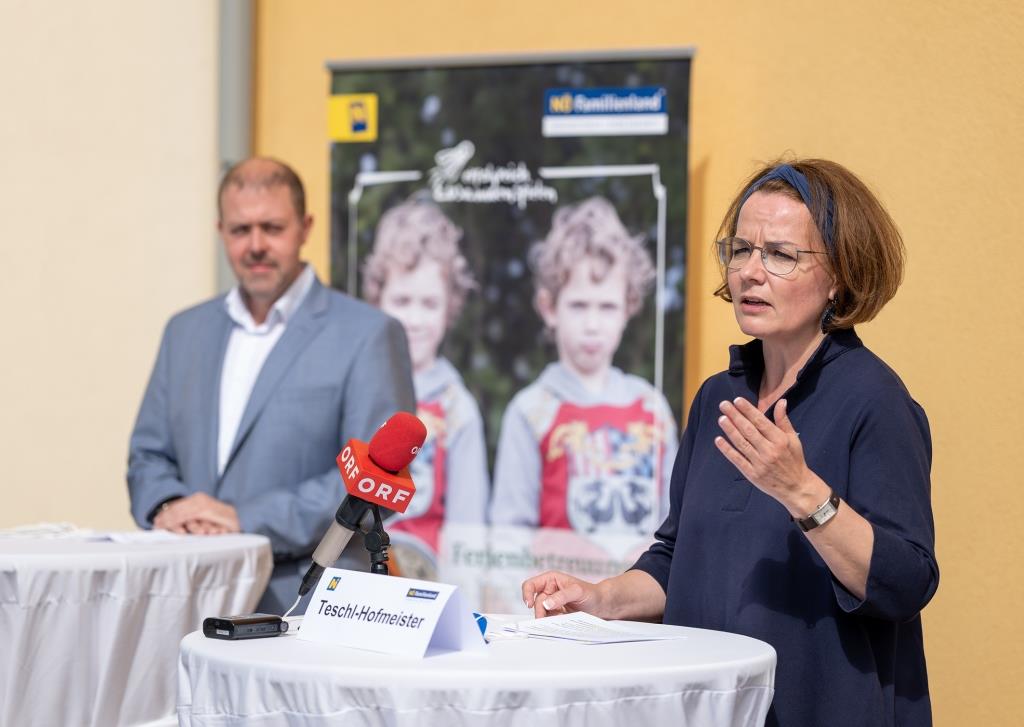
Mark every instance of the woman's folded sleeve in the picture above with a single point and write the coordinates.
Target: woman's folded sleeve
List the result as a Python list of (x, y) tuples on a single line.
[(889, 485)]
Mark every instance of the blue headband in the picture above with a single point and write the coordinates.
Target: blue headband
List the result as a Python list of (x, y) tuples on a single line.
[(798, 181)]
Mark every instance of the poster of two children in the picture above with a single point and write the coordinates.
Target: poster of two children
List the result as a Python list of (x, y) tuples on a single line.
[(524, 219)]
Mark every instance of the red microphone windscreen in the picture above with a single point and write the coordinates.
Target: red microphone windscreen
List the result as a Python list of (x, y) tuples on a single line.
[(397, 442)]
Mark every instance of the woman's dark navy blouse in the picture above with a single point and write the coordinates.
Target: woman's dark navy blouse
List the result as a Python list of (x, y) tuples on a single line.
[(730, 558)]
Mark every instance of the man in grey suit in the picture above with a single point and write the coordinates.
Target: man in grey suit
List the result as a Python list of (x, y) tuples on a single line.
[(255, 392)]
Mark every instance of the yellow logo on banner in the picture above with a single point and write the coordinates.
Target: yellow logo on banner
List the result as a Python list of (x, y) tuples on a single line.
[(352, 117)]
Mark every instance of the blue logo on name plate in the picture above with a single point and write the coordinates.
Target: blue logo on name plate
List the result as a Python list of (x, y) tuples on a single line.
[(421, 593), (333, 583), (605, 101)]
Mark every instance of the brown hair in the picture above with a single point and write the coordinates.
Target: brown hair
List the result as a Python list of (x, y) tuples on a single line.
[(866, 255), (406, 234), (592, 229), (263, 172)]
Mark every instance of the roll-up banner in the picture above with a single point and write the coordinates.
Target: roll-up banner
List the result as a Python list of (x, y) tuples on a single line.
[(524, 219)]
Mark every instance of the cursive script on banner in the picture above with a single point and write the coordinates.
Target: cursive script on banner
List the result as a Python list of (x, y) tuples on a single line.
[(512, 183)]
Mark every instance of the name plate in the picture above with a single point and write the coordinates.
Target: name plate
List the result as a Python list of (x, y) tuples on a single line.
[(391, 615)]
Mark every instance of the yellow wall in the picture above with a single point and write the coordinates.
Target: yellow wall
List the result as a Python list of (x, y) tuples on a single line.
[(924, 99), (108, 157)]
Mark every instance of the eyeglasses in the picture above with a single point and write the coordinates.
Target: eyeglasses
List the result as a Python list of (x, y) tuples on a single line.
[(778, 258)]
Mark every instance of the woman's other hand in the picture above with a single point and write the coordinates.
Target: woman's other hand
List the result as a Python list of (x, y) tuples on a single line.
[(554, 592), (632, 595)]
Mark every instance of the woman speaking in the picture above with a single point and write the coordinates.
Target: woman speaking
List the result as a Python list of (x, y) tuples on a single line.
[(800, 508)]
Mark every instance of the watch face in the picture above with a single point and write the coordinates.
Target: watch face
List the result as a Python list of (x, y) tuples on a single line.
[(824, 514), (820, 516)]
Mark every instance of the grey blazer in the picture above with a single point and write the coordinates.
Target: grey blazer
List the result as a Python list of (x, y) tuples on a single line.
[(340, 369)]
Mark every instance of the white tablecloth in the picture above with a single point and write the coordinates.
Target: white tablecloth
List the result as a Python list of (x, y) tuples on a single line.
[(89, 630), (707, 678)]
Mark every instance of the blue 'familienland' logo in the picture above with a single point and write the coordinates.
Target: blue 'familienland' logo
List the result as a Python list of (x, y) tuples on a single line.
[(605, 101)]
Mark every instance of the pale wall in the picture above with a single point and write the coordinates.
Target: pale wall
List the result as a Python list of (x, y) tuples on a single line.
[(924, 99), (108, 151)]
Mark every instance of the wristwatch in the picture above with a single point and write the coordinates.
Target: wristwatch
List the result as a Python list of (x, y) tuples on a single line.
[(825, 512)]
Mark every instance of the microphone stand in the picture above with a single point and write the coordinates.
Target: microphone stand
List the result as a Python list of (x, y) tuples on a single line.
[(377, 543), (350, 516)]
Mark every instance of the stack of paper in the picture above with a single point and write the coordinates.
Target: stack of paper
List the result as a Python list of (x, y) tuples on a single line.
[(44, 530), (584, 628), (56, 531)]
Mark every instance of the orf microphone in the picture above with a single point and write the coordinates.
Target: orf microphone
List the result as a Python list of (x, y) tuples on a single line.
[(374, 474)]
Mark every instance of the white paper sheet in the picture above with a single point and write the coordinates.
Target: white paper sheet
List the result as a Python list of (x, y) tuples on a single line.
[(585, 628)]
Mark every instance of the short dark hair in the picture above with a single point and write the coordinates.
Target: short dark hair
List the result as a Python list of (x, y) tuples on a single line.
[(263, 172), (866, 256)]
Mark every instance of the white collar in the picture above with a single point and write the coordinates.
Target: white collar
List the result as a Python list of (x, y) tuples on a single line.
[(282, 310)]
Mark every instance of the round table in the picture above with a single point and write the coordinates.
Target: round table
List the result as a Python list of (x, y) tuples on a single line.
[(90, 627), (705, 678)]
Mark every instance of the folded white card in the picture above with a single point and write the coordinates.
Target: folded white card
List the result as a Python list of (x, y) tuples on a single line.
[(392, 615)]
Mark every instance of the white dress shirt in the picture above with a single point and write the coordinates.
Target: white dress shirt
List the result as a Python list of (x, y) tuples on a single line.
[(248, 348)]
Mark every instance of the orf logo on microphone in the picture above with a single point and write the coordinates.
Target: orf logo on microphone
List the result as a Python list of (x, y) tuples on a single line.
[(366, 481)]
